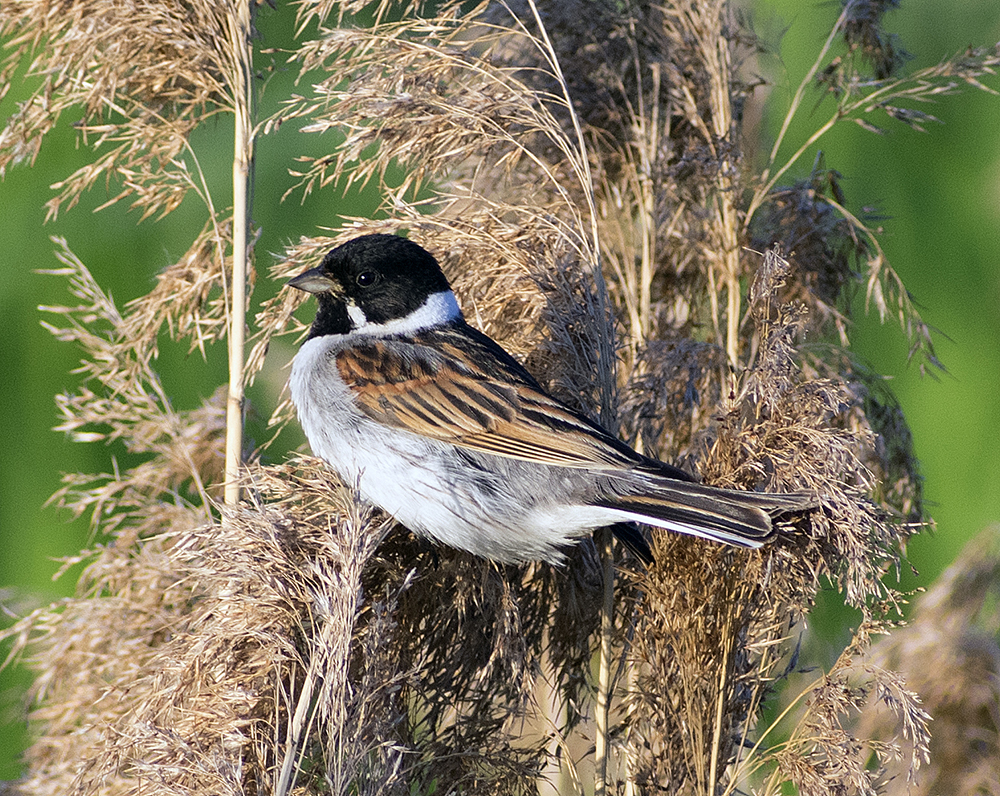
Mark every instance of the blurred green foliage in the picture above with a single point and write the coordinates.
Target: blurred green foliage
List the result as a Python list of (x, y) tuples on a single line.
[(939, 194), (941, 189)]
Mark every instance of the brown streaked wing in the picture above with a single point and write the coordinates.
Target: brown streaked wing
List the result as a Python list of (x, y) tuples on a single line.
[(433, 395)]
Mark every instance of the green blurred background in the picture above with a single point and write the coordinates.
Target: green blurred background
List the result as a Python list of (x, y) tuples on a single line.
[(941, 191)]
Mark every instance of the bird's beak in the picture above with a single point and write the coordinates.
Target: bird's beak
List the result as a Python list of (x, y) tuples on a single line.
[(313, 281)]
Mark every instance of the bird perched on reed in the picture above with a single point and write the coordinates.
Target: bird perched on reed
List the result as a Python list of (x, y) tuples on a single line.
[(440, 427)]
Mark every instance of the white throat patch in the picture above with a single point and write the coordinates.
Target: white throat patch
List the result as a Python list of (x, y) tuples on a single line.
[(357, 315), (438, 309)]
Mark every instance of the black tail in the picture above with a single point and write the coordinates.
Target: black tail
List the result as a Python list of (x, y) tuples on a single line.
[(628, 534), (730, 516)]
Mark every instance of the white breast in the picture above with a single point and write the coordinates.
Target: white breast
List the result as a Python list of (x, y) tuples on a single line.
[(425, 483), (392, 469)]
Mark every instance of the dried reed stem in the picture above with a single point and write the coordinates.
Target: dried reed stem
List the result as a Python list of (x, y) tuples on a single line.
[(715, 47), (243, 143), (602, 716)]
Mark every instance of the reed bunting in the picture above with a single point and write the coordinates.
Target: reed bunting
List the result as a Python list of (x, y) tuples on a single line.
[(440, 427)]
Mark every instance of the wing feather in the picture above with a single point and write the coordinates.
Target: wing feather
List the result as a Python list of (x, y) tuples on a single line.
[(459, 395)]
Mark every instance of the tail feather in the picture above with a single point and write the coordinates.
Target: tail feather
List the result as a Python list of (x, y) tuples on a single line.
[(628, 534), (743, 519)]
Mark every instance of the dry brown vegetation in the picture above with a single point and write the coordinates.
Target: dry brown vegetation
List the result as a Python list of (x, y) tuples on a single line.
[(578, 168)]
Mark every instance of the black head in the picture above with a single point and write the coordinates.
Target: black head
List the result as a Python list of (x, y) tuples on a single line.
[(370, 281)]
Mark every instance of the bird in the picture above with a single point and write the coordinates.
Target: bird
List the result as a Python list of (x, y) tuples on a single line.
[(437, 425)]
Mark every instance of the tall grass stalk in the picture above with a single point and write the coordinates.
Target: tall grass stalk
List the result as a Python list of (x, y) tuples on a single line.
[(241, 32)]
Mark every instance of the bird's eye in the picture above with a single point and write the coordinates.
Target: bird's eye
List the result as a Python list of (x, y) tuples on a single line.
[(367, 278)]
